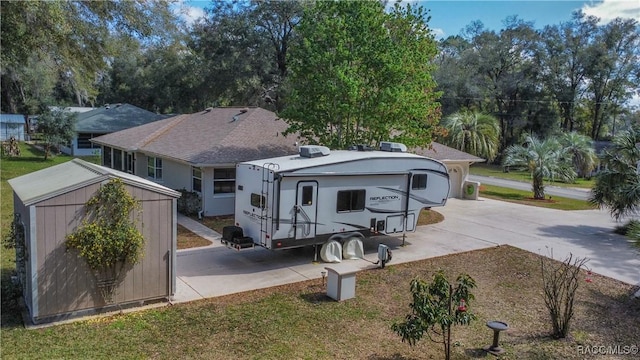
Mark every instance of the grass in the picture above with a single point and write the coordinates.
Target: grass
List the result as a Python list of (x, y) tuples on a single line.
[(497, 172), (297, 321), (216, 223), (525, 198), (188, 239), (31, 160)]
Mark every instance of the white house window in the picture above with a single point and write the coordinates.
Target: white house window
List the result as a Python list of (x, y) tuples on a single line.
[(129, 163), (117, 159), (106, 156), (154, 168), (196, 179), (224, 181)]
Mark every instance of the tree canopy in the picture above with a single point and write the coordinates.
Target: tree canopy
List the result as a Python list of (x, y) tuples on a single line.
[(618, 183), (361, 75), (379, 77)]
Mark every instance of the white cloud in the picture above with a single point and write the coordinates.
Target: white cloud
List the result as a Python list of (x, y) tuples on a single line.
[(437, 33), (608, 10), (187, 12)]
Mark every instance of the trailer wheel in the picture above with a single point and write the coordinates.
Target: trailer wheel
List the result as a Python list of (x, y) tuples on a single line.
[(331, 252)]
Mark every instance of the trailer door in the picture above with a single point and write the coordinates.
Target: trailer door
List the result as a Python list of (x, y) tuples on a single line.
[(306, 209)]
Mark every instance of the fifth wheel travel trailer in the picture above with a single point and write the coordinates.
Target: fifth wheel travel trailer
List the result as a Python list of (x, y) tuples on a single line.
[(329, 197)]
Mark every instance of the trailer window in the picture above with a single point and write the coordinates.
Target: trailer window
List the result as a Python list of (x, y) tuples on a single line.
[(351, 200), (419, 182), (307, 195), (258, 201)]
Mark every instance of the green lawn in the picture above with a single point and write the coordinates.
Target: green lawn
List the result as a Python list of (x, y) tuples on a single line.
[(31, 160), (497, 172), (526, 198), (298, 321)]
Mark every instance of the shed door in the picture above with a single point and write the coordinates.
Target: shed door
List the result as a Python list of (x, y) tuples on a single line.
[(306, 209)]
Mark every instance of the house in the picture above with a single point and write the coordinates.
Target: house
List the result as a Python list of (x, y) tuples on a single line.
[(456, 161), (56, 283), (198, 152), (104, 120), (12, 125)]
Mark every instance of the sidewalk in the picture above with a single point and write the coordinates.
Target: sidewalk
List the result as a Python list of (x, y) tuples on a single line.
[(199, 229)]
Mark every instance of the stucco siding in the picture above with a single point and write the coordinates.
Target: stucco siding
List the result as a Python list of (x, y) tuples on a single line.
[(215, 205), (458, 172), (176, 175)]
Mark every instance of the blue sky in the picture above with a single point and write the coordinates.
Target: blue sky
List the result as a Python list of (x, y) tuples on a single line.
[(449, 17)]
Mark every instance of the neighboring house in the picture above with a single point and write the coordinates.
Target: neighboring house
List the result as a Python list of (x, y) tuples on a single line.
[(56, 283), (104, 120), (12, 125), (456, 161), (198, 152)]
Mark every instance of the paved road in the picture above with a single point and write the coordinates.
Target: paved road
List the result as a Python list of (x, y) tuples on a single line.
[(571, 193)]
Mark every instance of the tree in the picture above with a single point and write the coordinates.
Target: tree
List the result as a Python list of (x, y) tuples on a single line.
[(473, 132), (506, 73), (582, 152), (72, 41), (436, 307), (617, 185), (361, 75), (56, 127), (241, 49), (563, 55), (543, 159), (612, 70)]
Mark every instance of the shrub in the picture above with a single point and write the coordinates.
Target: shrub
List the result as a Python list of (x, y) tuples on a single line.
[(560, 283), (436, 307), (189, 202)]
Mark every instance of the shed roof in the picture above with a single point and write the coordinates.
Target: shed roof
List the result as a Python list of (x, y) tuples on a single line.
[(115, 117), (445, 153), (221, 135), (12, 118), (60, 179)]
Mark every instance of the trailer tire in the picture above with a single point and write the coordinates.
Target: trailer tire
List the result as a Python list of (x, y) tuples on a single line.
[(331, 252)]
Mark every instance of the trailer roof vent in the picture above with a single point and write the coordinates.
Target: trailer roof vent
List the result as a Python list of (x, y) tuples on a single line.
[(392, 146), (311, 151)]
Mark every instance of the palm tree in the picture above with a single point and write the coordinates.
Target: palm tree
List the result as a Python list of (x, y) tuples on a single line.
[(543, 158), (473, 132), (617, 186), (581, 149)]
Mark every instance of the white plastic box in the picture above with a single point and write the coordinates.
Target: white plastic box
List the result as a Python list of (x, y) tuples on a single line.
[(341, 282)]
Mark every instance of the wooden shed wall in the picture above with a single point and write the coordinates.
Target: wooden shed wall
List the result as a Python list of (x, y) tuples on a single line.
[(65, 283), (20, 208)]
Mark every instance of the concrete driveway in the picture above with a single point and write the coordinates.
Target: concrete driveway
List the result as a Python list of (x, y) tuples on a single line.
[(469, 225)]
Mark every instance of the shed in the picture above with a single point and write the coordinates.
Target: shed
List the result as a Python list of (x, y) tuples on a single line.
[(12, 125), (57, 284)]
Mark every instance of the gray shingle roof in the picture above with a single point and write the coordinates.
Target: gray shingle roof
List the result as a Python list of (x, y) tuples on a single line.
[(444, 153), (209, 137), (115, 117)]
